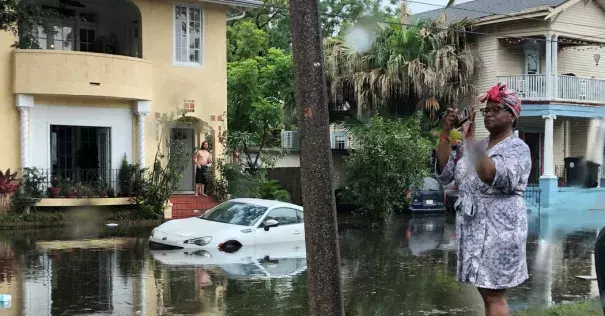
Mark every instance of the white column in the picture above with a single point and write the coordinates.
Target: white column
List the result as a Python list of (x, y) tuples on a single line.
[(141, 111), (24, 104), (548, 146), (548, 70), (554, 66)]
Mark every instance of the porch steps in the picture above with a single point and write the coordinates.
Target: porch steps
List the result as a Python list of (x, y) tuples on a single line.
[(184, 206)]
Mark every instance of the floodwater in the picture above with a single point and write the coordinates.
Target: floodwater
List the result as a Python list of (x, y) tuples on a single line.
[(408, 270)]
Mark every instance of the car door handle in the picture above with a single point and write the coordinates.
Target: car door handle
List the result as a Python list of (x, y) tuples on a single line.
[(296, 232)]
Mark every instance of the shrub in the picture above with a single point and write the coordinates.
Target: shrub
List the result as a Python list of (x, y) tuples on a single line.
[(34, 182), (161, 181), (391, 156), (237, 182)]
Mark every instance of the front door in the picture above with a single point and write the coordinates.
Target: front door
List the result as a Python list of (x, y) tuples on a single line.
[(533, 142), (186, 135)]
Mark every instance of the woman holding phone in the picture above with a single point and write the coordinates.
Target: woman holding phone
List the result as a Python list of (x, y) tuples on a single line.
[(491, 219)]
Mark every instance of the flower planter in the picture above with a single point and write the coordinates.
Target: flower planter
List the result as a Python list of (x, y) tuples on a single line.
[(70, 195), (54, 192), (102, 194)]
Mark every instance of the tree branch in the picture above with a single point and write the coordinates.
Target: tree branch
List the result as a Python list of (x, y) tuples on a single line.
[(269, 19), (262, 143)]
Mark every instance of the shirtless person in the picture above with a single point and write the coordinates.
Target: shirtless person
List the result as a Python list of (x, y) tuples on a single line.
[(202, 158)]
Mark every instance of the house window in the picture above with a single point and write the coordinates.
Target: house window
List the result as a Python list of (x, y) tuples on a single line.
[(87, 40), (55, 37), (188, 34)]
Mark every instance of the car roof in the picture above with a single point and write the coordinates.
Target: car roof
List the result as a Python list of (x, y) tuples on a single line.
[(267, 203)]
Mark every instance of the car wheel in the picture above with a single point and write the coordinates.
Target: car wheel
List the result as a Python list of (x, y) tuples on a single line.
[(230, 246)]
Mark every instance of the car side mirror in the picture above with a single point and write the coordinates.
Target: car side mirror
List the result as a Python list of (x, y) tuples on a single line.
[(270, 223)]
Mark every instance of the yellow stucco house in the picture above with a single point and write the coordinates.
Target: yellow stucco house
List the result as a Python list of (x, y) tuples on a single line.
[(105, 74)]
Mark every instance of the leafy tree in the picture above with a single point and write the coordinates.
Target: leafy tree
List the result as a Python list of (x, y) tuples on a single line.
[(260, 92), (245, 40), (406, 67), (391, 156), (22, 17), (336, 15)]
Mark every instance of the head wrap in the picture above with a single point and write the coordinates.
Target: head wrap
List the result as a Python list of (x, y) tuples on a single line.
[(500, 93)]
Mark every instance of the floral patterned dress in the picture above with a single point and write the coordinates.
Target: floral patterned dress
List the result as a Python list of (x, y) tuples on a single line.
[(491, 220)]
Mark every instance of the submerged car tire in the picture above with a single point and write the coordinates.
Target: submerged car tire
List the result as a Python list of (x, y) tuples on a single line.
[(230, 246)]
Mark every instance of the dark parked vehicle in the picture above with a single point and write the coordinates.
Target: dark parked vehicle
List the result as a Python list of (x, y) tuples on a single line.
[(430, 198), (451, 196)]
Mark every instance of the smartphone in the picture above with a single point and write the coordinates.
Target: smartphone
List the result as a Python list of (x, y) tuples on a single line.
[(462, 118)]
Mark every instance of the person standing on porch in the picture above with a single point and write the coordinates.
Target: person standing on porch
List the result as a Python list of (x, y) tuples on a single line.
[(202, 158), (491, 219)]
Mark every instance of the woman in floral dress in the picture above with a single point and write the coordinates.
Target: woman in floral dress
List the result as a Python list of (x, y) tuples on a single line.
[(491, 219)]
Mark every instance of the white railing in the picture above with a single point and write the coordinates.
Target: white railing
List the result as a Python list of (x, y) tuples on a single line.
[(568, 88), (529, 87), (581, 89)]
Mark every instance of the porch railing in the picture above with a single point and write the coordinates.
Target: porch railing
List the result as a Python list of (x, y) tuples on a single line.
[(532, 195), (568, 88), (560, 172), (84, 182)]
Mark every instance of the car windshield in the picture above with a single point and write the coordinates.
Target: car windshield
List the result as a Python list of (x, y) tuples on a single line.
[(236, 213)]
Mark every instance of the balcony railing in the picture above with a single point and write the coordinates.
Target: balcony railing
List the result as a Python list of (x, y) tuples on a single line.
[(561, 173), (568, 88), (86, 182), (339, 140), (57, 72), (532, 195)]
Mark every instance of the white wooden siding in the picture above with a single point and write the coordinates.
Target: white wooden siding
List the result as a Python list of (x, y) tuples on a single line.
[(581, 63), (511, 60), (487, 51), (578, 129), (587, 13)]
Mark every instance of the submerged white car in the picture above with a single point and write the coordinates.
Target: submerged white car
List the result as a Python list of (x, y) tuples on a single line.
[(232, 225), (280, 260)]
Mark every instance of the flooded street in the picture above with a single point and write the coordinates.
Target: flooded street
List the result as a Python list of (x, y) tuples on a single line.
[(408, 270)]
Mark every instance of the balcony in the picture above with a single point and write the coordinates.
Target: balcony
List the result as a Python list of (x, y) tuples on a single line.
[(339, 140), (59, 72), (567, 88)]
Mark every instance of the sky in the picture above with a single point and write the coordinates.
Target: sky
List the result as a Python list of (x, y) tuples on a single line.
[(437, 4)]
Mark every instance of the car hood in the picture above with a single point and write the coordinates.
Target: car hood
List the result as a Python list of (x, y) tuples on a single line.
[(193, 227)]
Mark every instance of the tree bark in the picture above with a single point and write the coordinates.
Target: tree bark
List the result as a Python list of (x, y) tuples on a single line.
[(323, 257)]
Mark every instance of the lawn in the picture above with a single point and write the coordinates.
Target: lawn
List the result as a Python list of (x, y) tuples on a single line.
[(589, 308)]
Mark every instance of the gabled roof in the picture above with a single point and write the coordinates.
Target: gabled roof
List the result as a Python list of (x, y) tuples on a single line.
[(479, 9)]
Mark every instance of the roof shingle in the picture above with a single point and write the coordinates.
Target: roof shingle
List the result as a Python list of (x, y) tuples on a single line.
[(480, 8)]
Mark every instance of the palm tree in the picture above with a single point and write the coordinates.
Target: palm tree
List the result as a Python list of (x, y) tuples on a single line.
[(409, 66)]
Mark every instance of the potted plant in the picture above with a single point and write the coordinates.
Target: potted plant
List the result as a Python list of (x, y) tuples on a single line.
[(79, 190), (55, 189), (67, 189), (102, 188)]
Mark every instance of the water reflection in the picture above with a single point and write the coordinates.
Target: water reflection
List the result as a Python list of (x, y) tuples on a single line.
[(407, 270)]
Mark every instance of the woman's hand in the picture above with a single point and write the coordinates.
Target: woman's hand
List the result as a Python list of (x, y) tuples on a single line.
[(450, 120), (469, 132)]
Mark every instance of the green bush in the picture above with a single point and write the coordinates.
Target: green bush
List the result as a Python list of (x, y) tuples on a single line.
[(238, 182), (159, 183), (390, 157), (32, 191)]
